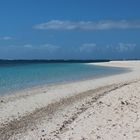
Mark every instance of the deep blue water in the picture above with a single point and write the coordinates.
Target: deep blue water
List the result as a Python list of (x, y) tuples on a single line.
[(15, 77)]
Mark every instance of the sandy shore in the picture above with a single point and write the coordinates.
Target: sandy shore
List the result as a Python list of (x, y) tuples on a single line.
[(107, 108)]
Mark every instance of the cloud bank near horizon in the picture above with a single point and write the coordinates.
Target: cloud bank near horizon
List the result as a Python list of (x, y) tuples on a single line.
[(88, 25), (6, 38)]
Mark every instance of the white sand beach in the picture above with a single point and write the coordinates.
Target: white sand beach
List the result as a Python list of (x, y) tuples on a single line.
[(106, 108)]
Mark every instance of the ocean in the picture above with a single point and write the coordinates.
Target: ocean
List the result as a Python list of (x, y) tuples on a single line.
[(19, 76)]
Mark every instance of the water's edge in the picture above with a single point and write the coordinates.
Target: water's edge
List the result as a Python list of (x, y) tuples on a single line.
[(120, 70)]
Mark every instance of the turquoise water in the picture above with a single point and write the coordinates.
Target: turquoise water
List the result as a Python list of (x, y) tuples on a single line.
[(15, 77)]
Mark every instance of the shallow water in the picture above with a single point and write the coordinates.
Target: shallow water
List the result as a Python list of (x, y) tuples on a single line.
[(19, 76)]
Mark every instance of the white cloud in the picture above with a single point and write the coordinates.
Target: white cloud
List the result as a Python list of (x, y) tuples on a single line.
[(49, 47), (45, 47), (118, 48), (124, 47), (56, 24), (88, 47), (6, 38), (42, 47), (88, 25), (121, 47), (28, 46)]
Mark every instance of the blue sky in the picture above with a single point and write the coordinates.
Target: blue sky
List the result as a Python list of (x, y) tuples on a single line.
[(69, 29)]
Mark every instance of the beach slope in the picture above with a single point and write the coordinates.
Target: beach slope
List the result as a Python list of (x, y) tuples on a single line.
[(107, 108)]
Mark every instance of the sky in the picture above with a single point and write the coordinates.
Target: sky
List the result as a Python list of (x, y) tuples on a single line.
[(69, 29)]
